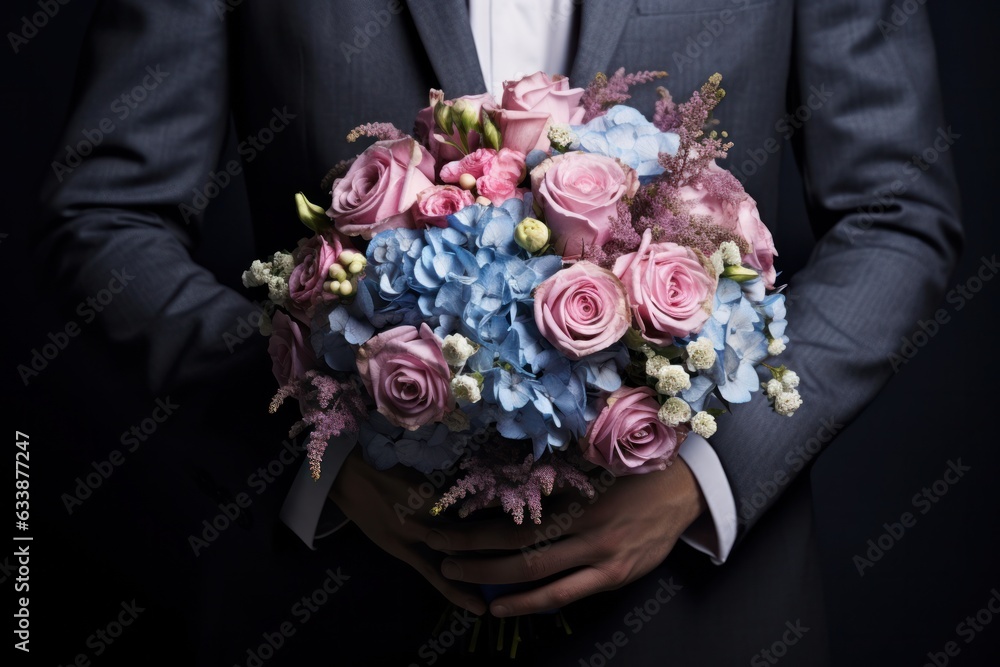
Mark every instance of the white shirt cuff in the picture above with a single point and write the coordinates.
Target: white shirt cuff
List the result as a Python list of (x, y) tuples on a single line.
[(305, 500), (714, 532)]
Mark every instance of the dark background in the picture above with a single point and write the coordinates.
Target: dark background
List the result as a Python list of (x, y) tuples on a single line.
[(940, 408)]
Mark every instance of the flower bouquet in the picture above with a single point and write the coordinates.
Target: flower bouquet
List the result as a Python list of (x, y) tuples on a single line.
[(529, 290)]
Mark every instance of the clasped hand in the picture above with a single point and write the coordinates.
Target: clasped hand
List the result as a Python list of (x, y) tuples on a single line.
[(580, 548)]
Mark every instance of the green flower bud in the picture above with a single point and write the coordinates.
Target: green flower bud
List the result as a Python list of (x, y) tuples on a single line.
[(491, 133), (443, 118), (466, 115), (532, 235), (739, 273), (311, 215)]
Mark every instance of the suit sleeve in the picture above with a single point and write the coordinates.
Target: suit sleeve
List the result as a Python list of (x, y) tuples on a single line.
[(888, 229), (147, 127)]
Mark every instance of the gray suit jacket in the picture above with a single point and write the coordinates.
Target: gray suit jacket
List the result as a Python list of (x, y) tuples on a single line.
[(857, 102)]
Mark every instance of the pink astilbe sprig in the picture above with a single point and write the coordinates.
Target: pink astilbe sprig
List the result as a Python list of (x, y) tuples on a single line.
[(697, 147), (328, 405), (498, 472), (703, 234), (380, 131), (656, 208), (624, 238), (659, 209), (665, 115), (605, 92)]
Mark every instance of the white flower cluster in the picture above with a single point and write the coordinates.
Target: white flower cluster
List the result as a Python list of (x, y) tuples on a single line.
[(701, 354), (457, 349), (704, 424), (717, 262), (671, 379), (784, 393), (674, 412), (466, 389), (775, 347), (561, 136), (787, 402), (274, 274), (730, 253)]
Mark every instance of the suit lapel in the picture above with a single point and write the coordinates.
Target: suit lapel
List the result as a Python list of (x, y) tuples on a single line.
[(601, 26), (444, 29)]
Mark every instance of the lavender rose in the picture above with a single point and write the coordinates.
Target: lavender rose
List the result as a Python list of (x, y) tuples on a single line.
[(582, 310), (762, 250), (437, 202), (378, 190), (407, 375), (541, 95), (291, 354), (704, 197), (627, 437), (551, 95), (669, 289), (720, 196), (523, 131), (313, 259), (578, 194)]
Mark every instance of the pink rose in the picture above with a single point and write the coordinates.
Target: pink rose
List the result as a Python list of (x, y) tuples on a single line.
[(541, 93), (474, 163), (762, 250), (313, 259), (720, 196), (582, 310), (523, 131), (291, 353), (437, 202), (669, 289), (578, 194), (501, 176), (627, 437), (497, 173), (430, 134), (378, 190), (407, 375)]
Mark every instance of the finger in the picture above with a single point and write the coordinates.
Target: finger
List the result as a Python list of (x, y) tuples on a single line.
[(426, 562), (555, 595), (529, 564), (501, 533)]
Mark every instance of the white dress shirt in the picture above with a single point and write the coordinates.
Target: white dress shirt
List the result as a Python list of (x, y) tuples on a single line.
[(515, 38)]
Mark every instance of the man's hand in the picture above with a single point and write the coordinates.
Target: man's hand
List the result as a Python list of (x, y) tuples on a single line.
[(627, 532), (368, 498)]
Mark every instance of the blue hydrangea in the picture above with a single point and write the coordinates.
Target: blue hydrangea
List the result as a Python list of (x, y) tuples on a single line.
[(737, 334), (624, 133), (429, 448), (471, 278)]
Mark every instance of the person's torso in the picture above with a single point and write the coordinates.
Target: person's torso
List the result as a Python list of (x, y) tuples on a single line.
[(304, 73)]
